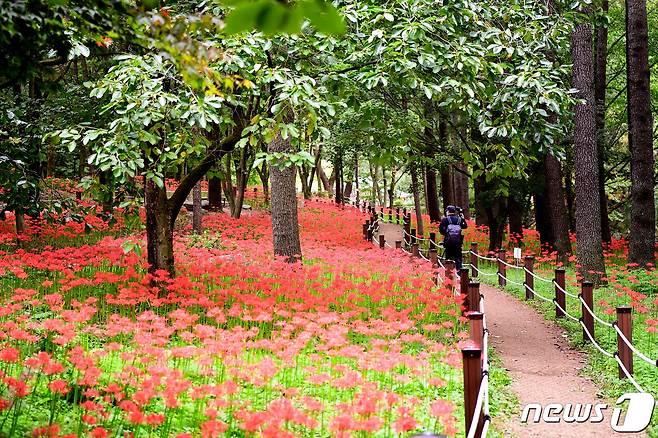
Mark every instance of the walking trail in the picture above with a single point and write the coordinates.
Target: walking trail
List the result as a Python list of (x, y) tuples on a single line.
[(543, 366)]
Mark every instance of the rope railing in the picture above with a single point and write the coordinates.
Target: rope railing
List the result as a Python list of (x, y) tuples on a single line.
[(510, 280), (509, 265), (566, 292), (630, 345), (586, 309), (593, 341), (585, 306), (481, 257), (628, 375), (486, 274), (482, 395), (589, 310), (537, 277), (565, 312), (480, 415), (538, 295)]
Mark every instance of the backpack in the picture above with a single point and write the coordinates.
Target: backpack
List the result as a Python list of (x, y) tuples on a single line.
[(453, 232)]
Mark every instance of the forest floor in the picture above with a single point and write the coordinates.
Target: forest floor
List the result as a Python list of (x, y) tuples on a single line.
[(543, 366)]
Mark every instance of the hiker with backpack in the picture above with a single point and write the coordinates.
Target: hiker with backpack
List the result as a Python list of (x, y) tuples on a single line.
[(451, 228)]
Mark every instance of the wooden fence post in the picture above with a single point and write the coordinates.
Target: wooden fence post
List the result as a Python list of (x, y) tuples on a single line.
[(370, 231), (473, 297), (365, 230), (413, 236), (474, 259), (414, 250), (625, 324), (472, 358), (529, 279), (433, 245), (397, 215), (398, 244), (463, 279), (476, 327), (407, 232), (434, 257), (502, 269), (587, 294), (450, 271), (382, 241), (560, 298)]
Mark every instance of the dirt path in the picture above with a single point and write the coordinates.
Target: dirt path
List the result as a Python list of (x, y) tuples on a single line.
[(543, 367)]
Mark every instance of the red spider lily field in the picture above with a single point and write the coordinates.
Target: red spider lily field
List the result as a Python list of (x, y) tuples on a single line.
[(353, 342)]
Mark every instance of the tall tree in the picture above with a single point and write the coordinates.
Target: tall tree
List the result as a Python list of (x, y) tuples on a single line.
[(214, 193), (431, 194), (197, 210), (415, 188), (640, 135), (557, 207), (588, 205), (285, 225), (600, 86)]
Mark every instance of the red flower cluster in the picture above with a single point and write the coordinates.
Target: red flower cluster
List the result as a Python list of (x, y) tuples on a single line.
[(351, 341)]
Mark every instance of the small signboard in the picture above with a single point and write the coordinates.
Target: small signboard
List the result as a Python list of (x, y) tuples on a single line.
[(517, 253)]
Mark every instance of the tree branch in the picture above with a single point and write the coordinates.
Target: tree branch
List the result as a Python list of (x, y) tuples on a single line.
[(197, 173)]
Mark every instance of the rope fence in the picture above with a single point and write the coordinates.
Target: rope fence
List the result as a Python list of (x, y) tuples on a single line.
[(587, 319), (475, 357)]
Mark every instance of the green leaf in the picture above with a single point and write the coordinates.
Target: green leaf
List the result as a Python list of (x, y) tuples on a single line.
[(323, 16)]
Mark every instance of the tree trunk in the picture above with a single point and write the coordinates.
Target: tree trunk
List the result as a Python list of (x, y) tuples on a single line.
[(588, 205), (197, 212), (391, 187), (242, 172), (600, 85), (431, 195), (496, 211), (338, 170), (303, 178), (515, 213), (374, 174), (481, 218), (570, 193), (215, 193), (322, 177), (264, 175), (460, 182), (20, 222), (107, 192), (557, 208), (415, 188), (238, 201), (384, 185), (347, 191), (227, 181), (542, 219), (159, 229), (642, 236), (285, 225), (447, 188), (356, 180)]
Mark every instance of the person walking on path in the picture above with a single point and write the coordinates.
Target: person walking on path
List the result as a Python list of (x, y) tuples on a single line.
[(451, 228)]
